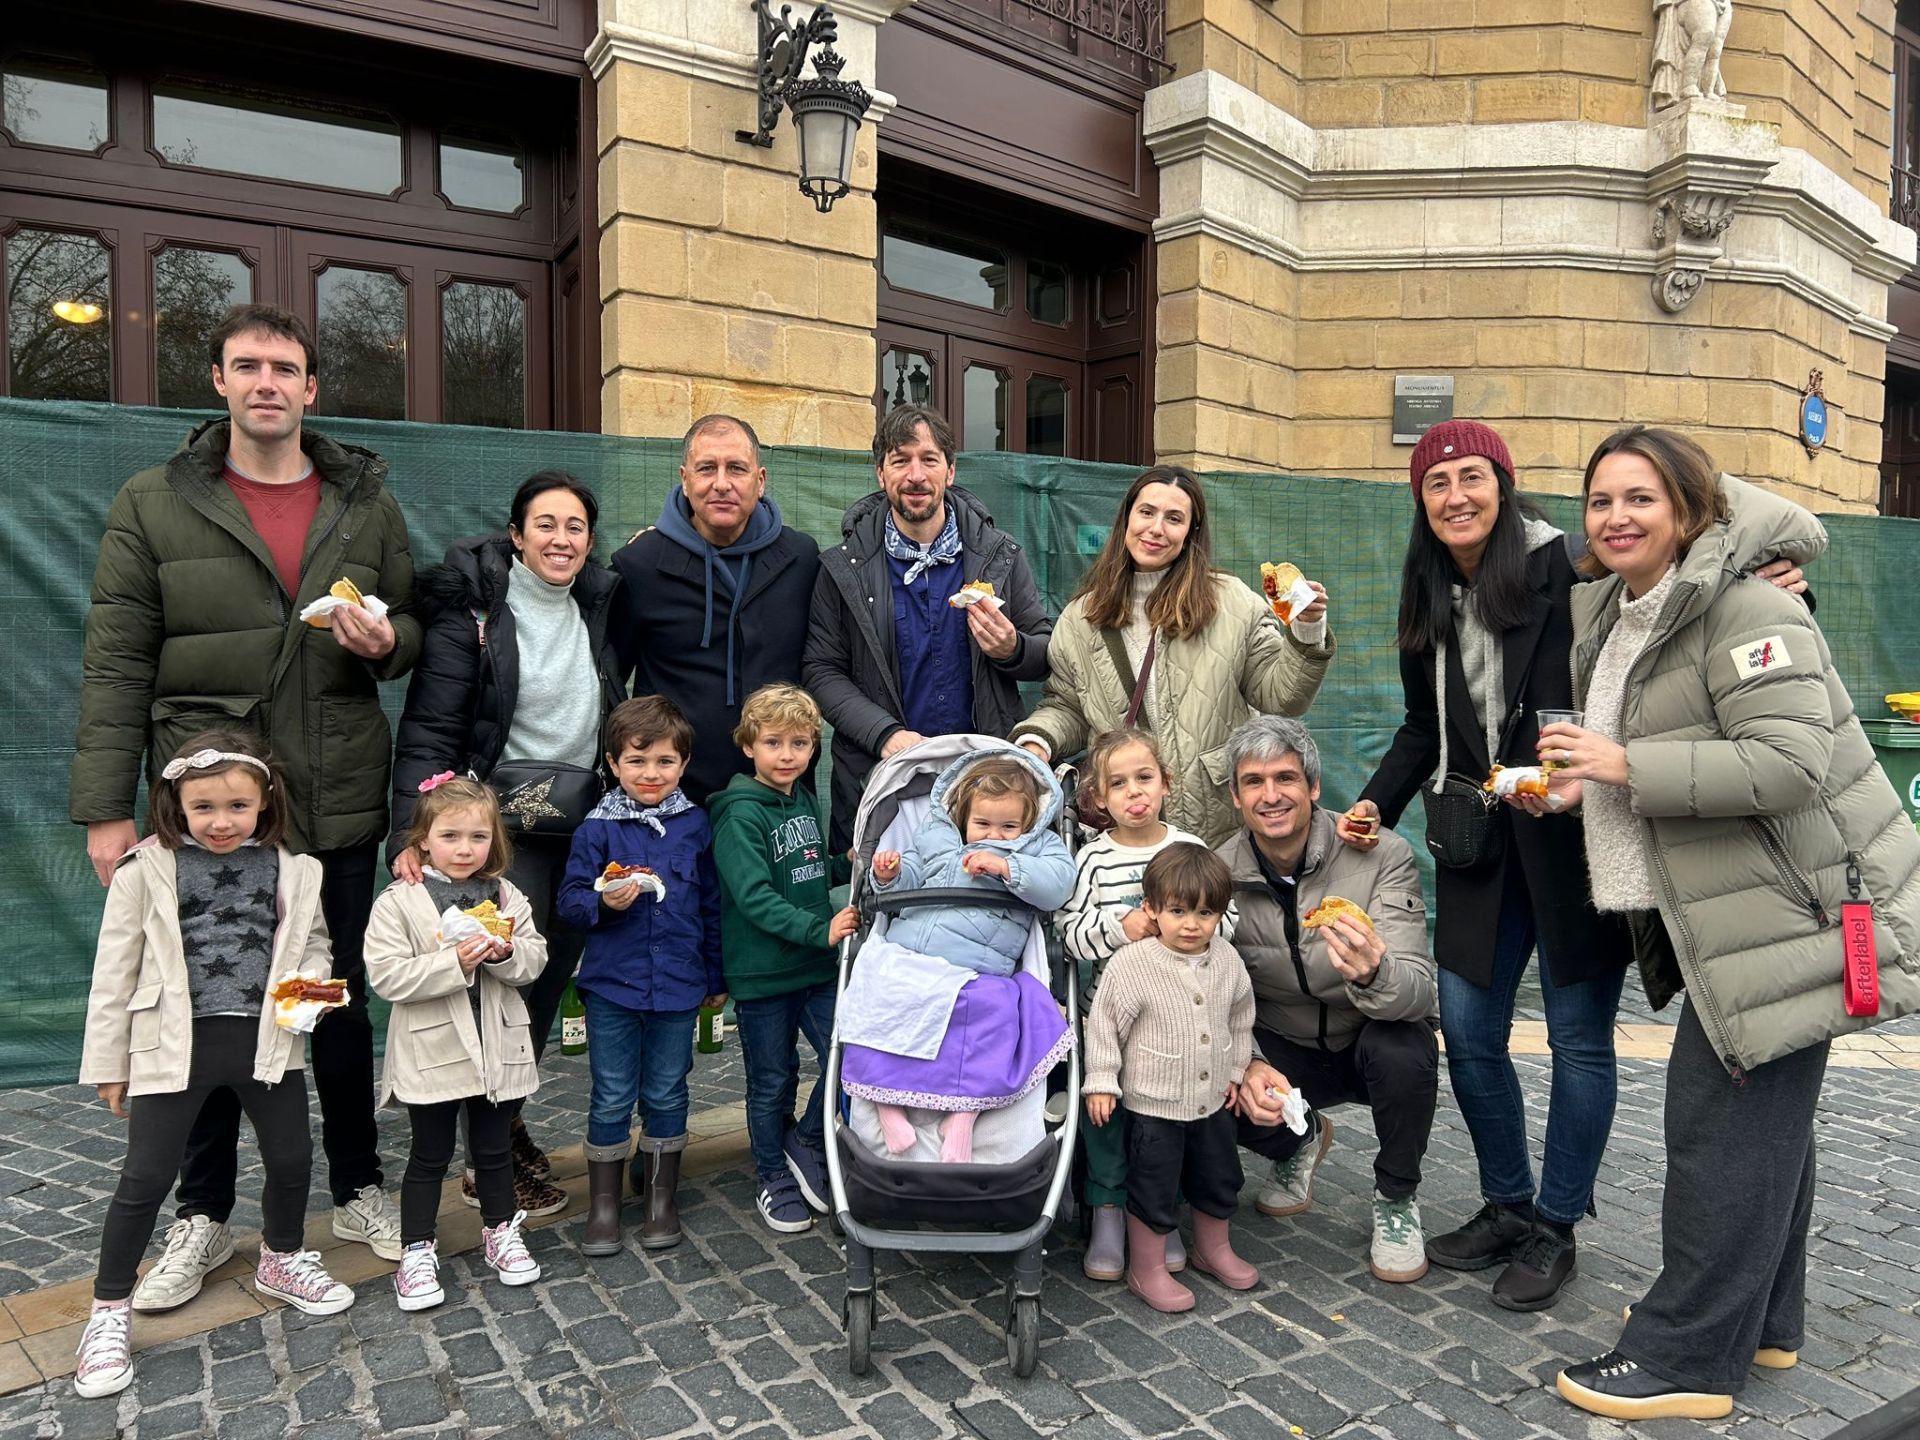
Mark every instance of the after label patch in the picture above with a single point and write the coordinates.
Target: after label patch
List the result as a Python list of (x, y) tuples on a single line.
[(1761, 656)]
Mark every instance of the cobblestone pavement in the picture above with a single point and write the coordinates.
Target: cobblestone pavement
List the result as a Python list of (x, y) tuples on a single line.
[(737, 1332)]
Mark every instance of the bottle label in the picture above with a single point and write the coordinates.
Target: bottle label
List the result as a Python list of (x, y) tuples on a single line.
[(573, 1030)]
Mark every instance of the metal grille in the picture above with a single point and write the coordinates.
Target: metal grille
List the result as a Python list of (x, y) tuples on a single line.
[(1138, 27)]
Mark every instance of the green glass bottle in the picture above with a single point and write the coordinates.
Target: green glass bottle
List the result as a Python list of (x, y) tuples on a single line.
[(573, 1023), (711, 1027)]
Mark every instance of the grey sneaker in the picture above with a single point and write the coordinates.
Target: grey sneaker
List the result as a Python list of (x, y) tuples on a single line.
[(1399, 1251), (195, 1246), (370, 1219), (1291, 1189)]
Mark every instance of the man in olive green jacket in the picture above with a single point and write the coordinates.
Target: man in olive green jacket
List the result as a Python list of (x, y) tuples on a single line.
[(204, 568)]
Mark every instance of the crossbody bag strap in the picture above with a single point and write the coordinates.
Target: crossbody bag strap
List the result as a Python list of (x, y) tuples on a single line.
[(1137, 686)]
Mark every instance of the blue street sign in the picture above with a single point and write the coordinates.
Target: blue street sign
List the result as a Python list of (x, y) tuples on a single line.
[(1813, 422)]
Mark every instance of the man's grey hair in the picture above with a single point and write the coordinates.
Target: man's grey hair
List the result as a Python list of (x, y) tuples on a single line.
[(1268, 737), (718, 422)]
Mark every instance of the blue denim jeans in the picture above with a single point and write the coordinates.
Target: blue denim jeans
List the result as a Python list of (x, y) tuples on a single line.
[(1477, 1021), (770, 1028), (637, 1055)]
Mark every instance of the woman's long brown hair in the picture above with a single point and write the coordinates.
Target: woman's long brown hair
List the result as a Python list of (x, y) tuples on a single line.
[(1684, 467), (1184, 603)]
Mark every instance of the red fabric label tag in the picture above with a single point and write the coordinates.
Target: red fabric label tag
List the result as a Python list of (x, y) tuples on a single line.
[(1862, 984)]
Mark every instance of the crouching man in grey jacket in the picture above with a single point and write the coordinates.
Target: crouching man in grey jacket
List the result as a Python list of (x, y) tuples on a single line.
[(1345, 1012)]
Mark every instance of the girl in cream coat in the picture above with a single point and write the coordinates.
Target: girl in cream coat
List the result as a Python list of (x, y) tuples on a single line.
[(458, 1039)]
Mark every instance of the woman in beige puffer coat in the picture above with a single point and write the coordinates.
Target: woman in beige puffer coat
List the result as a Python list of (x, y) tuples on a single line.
[(1733, 806), (1218, 653)]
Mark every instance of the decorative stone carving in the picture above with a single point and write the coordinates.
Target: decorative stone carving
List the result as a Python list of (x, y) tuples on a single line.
[(1688, 38), (1704, 163)]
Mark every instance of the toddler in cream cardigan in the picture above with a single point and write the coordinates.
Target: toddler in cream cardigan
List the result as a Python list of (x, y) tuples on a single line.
[(1169, 1039)]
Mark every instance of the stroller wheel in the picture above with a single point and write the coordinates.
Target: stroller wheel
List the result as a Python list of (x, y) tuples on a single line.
[(859, 1331), (1023, 1335)]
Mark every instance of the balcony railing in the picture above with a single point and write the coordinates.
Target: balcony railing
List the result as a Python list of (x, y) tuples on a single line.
[(1137, 27)]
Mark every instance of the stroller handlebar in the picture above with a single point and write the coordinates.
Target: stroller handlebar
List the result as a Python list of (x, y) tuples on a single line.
[(875, 902)]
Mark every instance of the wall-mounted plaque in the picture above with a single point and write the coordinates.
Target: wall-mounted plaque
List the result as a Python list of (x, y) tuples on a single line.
[(1420, 402)]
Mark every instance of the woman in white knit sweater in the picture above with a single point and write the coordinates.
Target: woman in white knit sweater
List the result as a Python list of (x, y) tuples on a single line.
[(1735, 814)]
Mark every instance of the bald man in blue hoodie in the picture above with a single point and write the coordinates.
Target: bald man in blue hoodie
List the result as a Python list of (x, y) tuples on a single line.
[(716, 596)]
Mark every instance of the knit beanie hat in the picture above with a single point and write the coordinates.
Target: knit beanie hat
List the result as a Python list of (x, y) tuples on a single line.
[(1450, 440)]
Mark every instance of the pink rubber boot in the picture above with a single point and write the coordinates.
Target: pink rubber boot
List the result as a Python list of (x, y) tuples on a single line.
[(1212, 1254), (1147, 1274)]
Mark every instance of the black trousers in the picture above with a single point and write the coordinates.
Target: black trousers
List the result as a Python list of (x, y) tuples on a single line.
[(1170, 1158), (435, 1128), (1733, 1222), (340, 1060), (539, 865), (1392, 1067), (157, 1130)]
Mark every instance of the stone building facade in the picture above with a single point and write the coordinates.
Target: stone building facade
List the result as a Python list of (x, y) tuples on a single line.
[(1211, 231)]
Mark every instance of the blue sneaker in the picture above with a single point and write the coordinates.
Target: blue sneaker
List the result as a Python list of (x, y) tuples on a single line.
[(808, 1167), (782, 1208)]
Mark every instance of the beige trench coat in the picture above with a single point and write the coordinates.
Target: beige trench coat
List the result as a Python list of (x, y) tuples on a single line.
[(140, 1010), (435, 1051)]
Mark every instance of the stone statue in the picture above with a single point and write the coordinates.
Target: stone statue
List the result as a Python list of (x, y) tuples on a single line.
[(1688, 36)]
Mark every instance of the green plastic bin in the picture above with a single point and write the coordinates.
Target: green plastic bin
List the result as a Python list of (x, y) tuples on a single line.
[(1896, 744)]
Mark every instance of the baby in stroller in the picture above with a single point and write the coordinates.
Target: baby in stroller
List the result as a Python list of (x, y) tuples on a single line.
[(940, 1015)]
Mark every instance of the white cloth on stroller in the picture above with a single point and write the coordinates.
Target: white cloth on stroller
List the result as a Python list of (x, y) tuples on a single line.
[(898, 1000)]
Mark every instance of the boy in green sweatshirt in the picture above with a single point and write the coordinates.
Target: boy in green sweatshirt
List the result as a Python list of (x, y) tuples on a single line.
[(778, 928)]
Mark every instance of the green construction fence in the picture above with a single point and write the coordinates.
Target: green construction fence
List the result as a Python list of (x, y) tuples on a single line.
[(60, 465)]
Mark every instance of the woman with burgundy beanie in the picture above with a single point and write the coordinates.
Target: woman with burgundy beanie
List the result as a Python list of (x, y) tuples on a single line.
[(1486, 638)]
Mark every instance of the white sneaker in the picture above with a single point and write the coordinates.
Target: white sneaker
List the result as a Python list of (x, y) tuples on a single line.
[(506, 1252), (1291, 1190), (416, 1284), (195, 1246), (106, 1352), (1399, 1251), (370, 1219), (298, 1277)]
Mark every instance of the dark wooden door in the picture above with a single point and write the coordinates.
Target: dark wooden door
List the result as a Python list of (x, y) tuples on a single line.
[(1900, 444)]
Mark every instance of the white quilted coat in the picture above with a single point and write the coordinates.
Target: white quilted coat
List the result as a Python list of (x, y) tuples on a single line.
[(1205, 685)]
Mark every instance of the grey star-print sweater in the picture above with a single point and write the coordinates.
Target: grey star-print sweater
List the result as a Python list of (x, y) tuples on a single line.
[(228, 914)]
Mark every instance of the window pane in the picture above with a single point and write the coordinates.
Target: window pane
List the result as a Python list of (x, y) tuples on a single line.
[(984, 407), (482, 176), (191, 291), (483, 356), (363, 342), (906, 378), (1046, 415), (951, 269), (280, 142), (59, 317), (1047, 292), (67, 108)]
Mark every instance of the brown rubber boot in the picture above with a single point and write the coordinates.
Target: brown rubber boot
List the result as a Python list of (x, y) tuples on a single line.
[(1147, 1274), (1212, 1254), (604, 1166), (661, 1229)]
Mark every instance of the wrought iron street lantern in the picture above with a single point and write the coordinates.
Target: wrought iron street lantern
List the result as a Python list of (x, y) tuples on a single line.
[(826, 109)]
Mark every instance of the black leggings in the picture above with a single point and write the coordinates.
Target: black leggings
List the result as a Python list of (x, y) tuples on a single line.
[(434, 1129), (223, 1050)]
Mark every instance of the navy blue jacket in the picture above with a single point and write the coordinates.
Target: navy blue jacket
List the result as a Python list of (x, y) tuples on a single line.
[(657, 954)]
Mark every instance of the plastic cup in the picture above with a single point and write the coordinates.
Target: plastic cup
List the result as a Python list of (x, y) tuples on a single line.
[(1576, 718)]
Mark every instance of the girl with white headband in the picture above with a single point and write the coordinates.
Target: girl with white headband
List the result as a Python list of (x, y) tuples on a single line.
[(203, 919)]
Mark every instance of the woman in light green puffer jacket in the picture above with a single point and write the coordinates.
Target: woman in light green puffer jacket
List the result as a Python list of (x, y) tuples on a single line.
[(1733, 806)]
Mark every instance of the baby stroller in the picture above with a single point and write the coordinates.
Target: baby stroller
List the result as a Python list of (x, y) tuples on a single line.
[(1005, 1201)]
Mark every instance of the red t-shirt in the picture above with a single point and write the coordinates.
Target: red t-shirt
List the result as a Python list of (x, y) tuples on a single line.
[(283, 514)]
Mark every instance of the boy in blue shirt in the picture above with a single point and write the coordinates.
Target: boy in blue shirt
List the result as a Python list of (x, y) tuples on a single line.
[(652, 959)]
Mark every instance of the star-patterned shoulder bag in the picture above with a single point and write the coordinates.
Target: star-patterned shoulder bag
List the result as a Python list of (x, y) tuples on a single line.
[(541, 797)]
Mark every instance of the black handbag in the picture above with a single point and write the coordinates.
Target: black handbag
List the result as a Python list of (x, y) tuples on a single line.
[(1465, 828), (544, 797)]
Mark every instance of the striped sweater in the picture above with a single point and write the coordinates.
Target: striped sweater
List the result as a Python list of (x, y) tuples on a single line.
[(1105, 887), (1168, 1035)]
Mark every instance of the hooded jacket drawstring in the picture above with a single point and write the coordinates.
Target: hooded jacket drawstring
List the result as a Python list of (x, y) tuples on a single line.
[(763, 529)]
